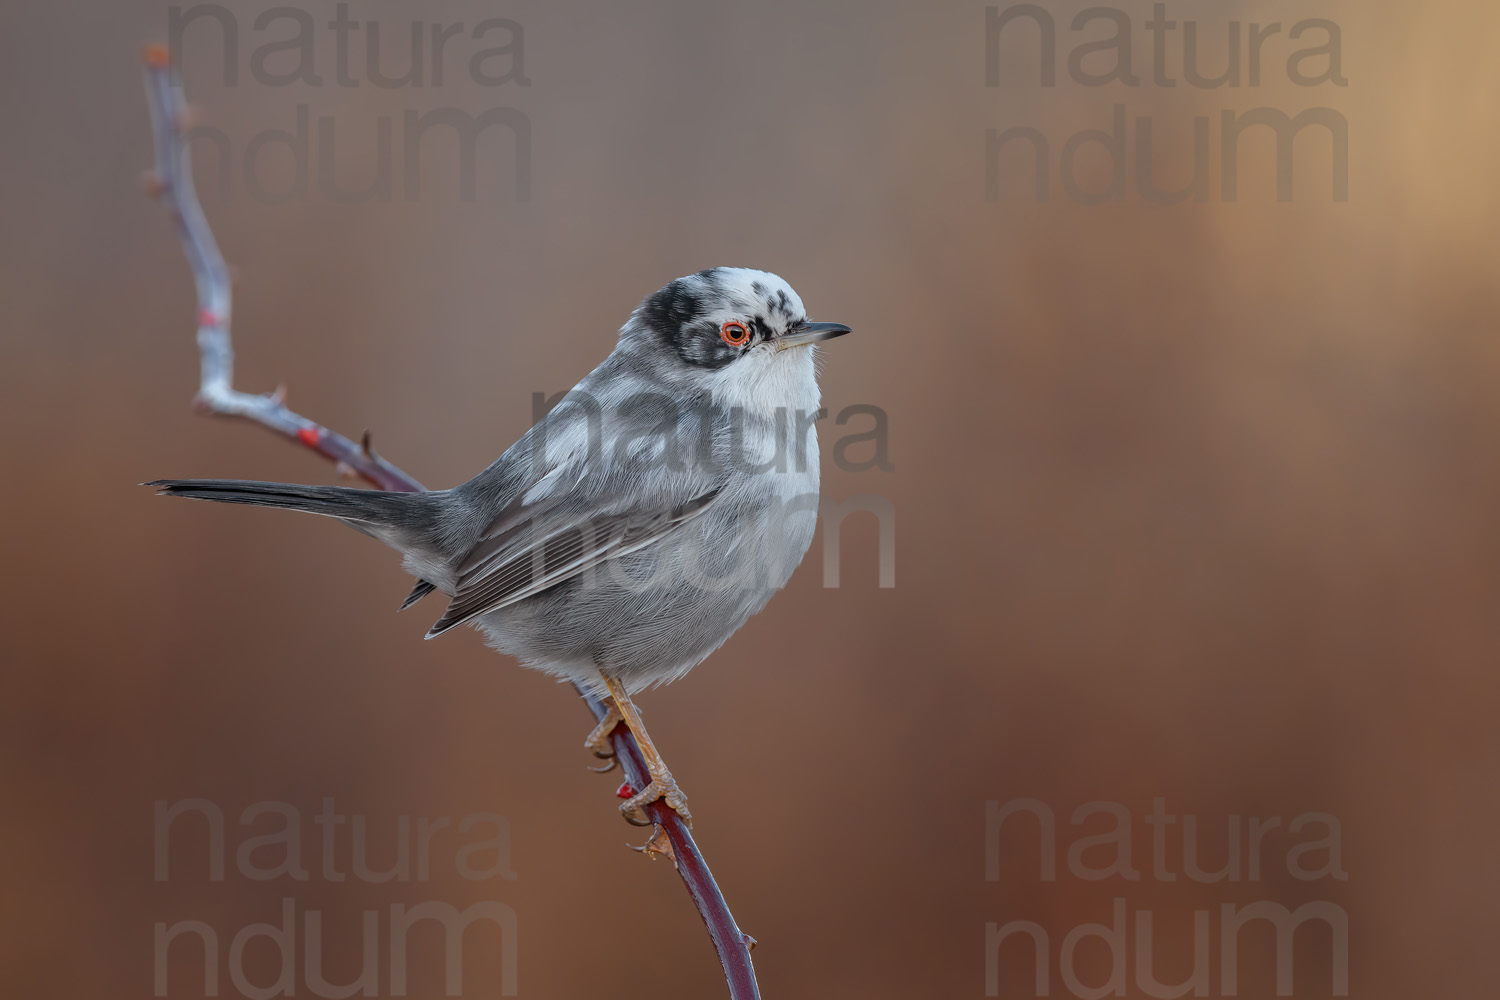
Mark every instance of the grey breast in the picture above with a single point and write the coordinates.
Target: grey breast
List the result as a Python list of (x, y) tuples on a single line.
[(654, 610)]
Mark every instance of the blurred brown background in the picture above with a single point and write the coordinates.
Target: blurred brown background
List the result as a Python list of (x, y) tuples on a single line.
[(1194, 503)]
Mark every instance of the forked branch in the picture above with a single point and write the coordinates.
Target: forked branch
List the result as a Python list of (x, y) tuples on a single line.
[(172, 182)]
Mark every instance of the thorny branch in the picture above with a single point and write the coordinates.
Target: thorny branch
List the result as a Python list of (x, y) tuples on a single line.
[(172, 182)]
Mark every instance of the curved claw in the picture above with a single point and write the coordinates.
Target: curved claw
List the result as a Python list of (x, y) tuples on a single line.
[(664, 790), (599, 743), (631, 811)]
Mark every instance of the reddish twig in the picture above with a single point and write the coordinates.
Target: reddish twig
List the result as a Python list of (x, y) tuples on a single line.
[(732, 944), (172, 182)]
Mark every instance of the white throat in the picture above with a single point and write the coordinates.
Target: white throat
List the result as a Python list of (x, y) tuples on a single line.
[(766, 380)]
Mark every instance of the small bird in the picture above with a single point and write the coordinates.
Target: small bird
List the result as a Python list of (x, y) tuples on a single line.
[(638, 525)]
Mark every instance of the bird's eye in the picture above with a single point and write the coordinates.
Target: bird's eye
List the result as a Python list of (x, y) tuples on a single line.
[(735, 333)]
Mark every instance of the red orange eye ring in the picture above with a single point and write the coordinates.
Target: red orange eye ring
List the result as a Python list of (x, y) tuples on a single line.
[(734, 333)]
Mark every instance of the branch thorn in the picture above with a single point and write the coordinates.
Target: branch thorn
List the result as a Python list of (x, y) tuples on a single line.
[(658, 846)]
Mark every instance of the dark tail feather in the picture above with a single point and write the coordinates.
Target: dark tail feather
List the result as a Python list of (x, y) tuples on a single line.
[(421, 590), (373, 508)]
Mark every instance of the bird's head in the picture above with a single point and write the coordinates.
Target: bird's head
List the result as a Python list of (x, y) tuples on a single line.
[(731, 325)]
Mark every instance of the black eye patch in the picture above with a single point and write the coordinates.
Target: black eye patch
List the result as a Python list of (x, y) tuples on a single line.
[(675, 314), (674, 306), (700, 344)]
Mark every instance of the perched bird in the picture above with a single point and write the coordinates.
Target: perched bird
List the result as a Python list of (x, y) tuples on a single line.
[(638, 525)]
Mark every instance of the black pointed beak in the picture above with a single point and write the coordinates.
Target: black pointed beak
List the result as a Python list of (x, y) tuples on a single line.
[(810, 333)]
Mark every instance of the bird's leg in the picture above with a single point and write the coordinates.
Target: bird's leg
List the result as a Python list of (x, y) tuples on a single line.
[(662, 786), (598, 741)]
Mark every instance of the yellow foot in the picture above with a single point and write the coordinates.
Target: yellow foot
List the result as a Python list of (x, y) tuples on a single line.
[(663, 788), (598, 742)]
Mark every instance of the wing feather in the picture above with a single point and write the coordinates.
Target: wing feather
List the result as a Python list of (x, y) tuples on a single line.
[(528, 550)]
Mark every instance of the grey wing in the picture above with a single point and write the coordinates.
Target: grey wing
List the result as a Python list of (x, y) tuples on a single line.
[(529, 549)]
